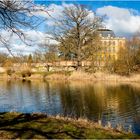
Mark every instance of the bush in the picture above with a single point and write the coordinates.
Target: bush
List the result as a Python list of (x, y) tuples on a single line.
[(26, 73), (10, 72)]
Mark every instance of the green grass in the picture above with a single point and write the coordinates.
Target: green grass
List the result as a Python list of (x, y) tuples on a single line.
[(27, 126)]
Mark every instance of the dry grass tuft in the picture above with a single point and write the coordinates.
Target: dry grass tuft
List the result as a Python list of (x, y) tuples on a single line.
[(100, 76), (56, 77)]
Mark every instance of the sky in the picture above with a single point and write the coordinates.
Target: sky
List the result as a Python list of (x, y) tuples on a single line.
[(123, 17)]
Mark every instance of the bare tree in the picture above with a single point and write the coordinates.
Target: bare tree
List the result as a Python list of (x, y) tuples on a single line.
[(134, 45), (17, 15), (48, 51), (3, 58), (129, 57), (76, 33)]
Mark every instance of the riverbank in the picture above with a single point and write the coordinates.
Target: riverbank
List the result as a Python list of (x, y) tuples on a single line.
[(76, 75), (95, 77), (16, 125)]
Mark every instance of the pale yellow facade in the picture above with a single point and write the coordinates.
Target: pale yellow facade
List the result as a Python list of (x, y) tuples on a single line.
[(109, 48)]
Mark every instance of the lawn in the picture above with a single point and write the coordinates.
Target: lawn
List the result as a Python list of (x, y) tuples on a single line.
[(26, 126)]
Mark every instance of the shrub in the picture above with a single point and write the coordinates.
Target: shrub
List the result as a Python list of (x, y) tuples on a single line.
[(26, 73), (10, 72)]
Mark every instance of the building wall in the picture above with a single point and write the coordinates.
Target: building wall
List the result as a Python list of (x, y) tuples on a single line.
[(108, 52)]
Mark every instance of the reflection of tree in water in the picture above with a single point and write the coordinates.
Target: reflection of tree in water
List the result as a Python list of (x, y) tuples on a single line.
[(126, 102), (52, 97), (80, 102), (71, 100), (127, 98), (28, 99), (96, 101), (9, 85)]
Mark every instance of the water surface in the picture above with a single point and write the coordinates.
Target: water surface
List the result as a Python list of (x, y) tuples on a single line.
[(117, 103)]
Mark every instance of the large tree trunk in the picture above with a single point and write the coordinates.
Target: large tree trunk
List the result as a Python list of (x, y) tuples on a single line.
[(78, 47)]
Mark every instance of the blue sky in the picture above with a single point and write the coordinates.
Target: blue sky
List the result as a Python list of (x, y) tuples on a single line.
[(115, 11), (123, 17), (96, 4)]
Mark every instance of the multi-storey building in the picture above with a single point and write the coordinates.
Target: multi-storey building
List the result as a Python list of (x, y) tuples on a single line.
[(110, 46)]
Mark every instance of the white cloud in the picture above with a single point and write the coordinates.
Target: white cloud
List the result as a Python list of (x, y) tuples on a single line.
[(51, 13), (33, 38), (123, 21), (3, 50), (55, 12)]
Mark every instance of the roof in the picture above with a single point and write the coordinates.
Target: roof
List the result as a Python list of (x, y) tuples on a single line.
[(106, 32)]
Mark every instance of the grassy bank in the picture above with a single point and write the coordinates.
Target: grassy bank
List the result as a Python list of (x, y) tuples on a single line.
[(76, 75), (98, 76), (16, 125)]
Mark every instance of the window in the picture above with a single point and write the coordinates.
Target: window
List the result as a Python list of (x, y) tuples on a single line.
[(114, 49), (109, 43), (105, 43), (120, 43), (113, 57), (102, 43), (105, 49), (104, 57), (109, 49), (114, 43), (97, 57)]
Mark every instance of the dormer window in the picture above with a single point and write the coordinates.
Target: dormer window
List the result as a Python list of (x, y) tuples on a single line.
[(106, 33), (109, 35)]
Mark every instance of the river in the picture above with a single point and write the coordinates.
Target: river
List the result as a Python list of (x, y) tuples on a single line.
[(105, 101)]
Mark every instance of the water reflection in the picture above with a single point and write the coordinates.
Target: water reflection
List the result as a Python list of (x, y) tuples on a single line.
[(118, 103)]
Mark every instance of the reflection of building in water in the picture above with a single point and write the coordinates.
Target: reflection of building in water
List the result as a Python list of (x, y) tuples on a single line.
[(104, 97), (110, 46)]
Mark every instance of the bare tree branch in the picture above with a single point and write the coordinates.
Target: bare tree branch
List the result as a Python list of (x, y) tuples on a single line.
[(76, 33), (17, 16)]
